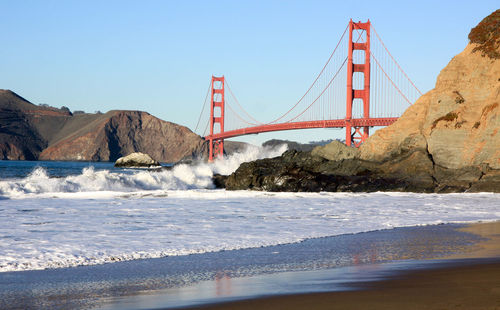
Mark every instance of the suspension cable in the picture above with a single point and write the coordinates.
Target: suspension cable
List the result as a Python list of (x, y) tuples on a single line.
[(237, 115), (327, 62), (329, 83), (237, 102), (205, 132), (387, 76), (360, 33), (397, 64), (203, 109)]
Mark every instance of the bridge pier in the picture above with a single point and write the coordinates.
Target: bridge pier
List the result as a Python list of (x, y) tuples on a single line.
[(215, 149)]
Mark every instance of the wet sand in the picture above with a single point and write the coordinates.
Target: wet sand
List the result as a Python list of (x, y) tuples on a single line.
[(475, 286), (473, 283), (490, 247)]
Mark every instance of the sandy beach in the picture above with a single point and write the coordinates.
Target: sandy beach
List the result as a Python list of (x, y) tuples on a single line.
[(468, 280)]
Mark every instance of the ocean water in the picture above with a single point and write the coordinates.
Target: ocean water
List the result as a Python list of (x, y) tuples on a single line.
[(62, 214)]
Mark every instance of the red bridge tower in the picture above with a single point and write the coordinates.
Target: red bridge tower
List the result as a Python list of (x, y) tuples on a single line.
[(216, 146), (360, 133)]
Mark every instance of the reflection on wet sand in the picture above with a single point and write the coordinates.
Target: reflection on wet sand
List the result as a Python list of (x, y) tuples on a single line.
[(222, 284)]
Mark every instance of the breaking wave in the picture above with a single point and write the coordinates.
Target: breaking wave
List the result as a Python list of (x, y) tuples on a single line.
[(104, 183)]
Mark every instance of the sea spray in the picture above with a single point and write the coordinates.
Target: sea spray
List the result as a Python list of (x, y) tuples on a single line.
[(103, 183), (228, 165)]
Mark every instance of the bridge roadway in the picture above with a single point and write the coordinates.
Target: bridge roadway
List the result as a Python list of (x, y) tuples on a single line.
[(335, 123)]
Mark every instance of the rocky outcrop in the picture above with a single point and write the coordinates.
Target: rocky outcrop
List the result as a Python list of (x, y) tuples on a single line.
[(448, 141), (486, 36), (454, 127), (136, 160), (301, 171)]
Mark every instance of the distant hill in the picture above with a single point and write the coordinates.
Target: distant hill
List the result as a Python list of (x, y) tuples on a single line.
[(292, 145), (40, 132), (24, 127)]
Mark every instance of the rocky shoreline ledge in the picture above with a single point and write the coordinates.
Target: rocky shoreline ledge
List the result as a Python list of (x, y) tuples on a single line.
[(447, 141), (296, 171)]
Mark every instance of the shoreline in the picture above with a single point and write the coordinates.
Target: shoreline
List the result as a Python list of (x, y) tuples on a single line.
[(327, 264), (467, 280)]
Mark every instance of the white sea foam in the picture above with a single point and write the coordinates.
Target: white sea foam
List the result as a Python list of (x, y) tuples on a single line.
[(101, 216), (38, 233), (112, 184)]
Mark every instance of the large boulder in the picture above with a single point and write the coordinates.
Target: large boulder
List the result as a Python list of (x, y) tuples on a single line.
[(136, 160), (335, 150)]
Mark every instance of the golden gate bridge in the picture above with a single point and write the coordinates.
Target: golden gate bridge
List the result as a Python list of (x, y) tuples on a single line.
[(360, 86)]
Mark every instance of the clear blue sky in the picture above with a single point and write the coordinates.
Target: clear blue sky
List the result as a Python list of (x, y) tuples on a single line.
[(158, 56)]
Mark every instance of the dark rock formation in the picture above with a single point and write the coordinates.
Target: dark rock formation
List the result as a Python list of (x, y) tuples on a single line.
[(336, 150), (301, 171), (219, 180)]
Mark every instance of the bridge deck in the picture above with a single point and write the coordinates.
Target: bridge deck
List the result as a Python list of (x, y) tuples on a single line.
[(335, 123)]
